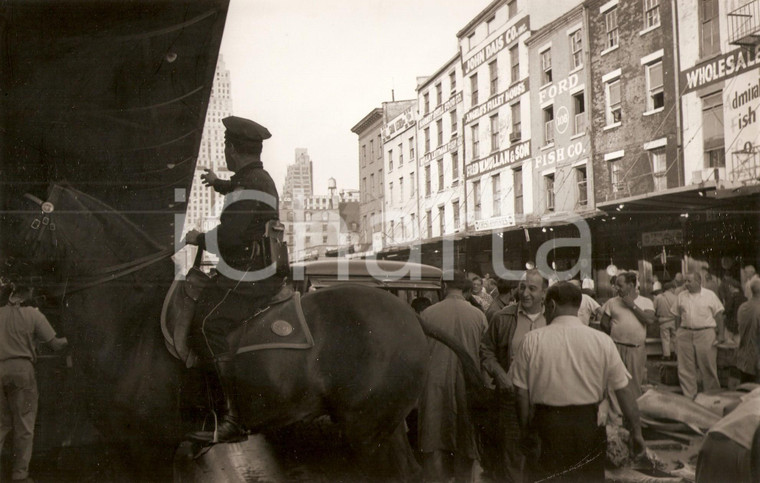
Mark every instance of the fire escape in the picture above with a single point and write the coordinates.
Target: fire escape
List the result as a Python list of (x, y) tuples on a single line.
[(744, 31)]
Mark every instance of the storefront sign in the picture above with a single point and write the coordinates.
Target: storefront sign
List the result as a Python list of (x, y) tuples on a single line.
[(399, 124), (659, 238), (741, 103), (497, 101), (558, 88), (440, 110), (494, 223), (720, 68), (439, 151), (558, 155), (514, 154), (496, 45)]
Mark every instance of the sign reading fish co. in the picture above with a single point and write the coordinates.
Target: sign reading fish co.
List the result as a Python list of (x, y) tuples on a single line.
[(512, 155), (495, 46)]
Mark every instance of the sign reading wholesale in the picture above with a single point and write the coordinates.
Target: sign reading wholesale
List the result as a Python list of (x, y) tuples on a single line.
[(496, 45), (513, 154), (720, 68)]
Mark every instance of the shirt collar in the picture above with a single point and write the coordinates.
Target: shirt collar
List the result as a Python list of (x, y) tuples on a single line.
[(520, 309), (566, 320)]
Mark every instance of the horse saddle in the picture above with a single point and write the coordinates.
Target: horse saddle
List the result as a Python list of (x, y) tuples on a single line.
[(280, 324)]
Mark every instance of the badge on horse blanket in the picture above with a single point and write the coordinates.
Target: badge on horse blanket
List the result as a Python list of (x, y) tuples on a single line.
[(281, 326)]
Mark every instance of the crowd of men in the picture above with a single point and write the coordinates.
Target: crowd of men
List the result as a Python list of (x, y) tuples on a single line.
[(554, 354)]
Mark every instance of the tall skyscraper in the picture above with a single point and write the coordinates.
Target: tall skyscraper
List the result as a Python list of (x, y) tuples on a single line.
[(299, 178)]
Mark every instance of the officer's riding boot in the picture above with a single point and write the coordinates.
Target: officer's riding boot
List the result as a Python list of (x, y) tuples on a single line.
[(228, 430)]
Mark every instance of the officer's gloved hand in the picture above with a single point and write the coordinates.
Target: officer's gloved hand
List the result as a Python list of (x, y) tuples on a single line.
[(209, 177)]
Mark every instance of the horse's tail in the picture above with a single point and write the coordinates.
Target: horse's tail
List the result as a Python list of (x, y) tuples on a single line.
[(477, 389)]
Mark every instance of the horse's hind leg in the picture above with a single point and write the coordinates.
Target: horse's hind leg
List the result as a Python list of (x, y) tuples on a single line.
[(390, 459)]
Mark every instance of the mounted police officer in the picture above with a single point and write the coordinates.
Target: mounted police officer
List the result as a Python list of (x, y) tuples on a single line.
[(247, 243)]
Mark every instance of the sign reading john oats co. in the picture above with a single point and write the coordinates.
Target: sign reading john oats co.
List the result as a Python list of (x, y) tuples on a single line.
[(720, 68), (495, 46)]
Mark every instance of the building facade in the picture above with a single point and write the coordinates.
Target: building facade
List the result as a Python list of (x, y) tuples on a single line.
[(440, 180), (370, 152), (400, 208), (299, 179)]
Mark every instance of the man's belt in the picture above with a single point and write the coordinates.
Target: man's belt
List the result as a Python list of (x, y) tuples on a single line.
[(697, 328), (624, 344)]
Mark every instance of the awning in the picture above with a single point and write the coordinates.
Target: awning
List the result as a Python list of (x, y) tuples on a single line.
[(683, 199)]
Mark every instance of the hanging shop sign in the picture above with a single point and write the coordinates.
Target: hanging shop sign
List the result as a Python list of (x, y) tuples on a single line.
[(497, 101), (741, 103), (514, 154), (399, 124), (494, 223), (495, 46), (661, 238)]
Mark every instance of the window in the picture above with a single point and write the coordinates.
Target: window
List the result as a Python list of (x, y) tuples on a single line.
[(364, 189), (324, 226), (412, 186), (474, 90), (308, 241), (454, 126), (426, 103), (610, 18), (364, 154), (546, 66), (411, 148), (401, 189), (514, 59), (512, 8), (576, 48), (581, 181), (429, 223), (427, 139), (616, 176), (455, 213), (372, 184), (651, 14), (427, 180), (655, 93), (475, 141), (403, 228), (496, 192), (517, 183), (516, 125), (712, 130), (400, 154), (439, 128), (439, 165), (390, 192), (471, 41), (490, 25), (379, 147), (413, 222), (476, 198), (549, 187), (614, 111), (548, 125), (493, 75), (442, 220), (579, 109), (438, 94), (659, 168), (494, 132), (453, 82), (454, 167), (324, 239), (390, 160), (372, 149), (392, 233)]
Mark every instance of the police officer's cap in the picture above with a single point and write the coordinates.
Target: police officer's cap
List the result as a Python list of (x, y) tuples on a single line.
[(245, 129)]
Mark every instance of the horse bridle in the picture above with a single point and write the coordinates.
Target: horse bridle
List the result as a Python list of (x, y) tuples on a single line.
[(105, 275)]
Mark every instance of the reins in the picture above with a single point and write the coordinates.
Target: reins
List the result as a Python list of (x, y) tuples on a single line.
[(105, 275)]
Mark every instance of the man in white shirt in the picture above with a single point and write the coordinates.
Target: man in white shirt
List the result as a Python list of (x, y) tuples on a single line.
[(627, 316), (562, 372), (699, 318), (589, 307)]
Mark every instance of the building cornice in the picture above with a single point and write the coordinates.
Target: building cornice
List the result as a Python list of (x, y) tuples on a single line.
[(490, 9), (437, 73), (374, 116)]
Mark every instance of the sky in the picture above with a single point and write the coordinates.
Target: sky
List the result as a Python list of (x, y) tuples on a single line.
[(309, 70)]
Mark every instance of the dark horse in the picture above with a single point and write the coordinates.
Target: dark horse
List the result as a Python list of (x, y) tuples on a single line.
[(364, 371)]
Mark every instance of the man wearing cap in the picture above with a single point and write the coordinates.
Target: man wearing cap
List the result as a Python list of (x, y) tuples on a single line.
[(251, 201), (21, 327)]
